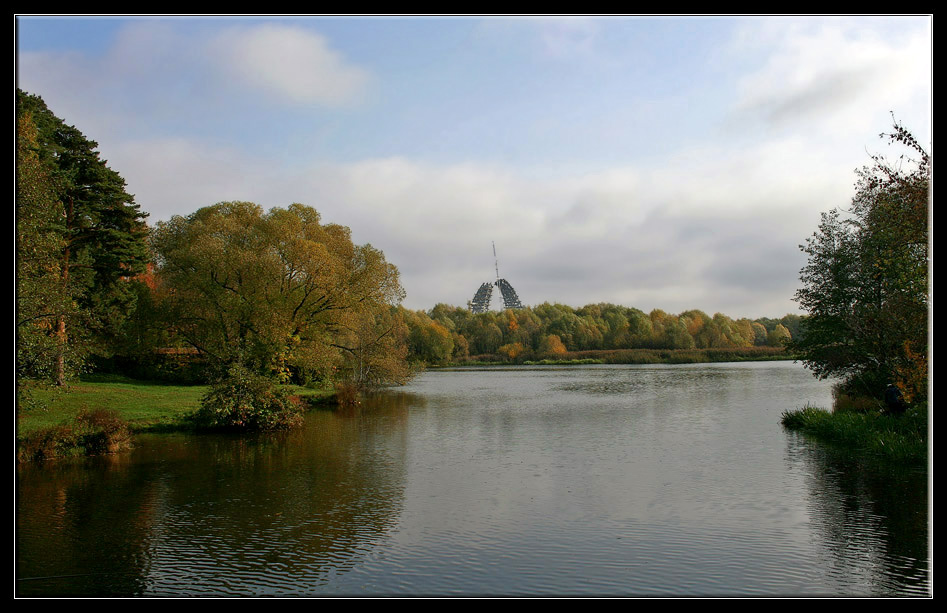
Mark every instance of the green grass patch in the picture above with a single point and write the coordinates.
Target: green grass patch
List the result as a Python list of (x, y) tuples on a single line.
[(898, 438), (146, 406)]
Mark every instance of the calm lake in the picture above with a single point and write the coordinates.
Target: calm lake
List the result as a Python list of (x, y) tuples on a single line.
[(588, 480)]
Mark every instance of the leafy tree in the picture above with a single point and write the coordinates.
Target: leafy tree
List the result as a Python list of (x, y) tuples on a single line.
[(511, 350), (778, 336), (793, 323), (759, 334), (42, 298), (374, 342), (100, 236), (461, 346), (552, 345), (640, 329), (694, 320), (617, 336), (429, 341), (675, 335), (865, 285), (280, 291), (488, 337)]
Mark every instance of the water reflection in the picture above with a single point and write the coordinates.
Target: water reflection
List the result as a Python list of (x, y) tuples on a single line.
[(268, 514), (872, 518), (599, 480)]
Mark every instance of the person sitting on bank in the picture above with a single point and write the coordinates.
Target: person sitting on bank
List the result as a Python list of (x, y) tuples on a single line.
[(894, 401)]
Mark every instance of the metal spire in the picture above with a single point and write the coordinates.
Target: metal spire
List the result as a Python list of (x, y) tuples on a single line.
[(496, 262)]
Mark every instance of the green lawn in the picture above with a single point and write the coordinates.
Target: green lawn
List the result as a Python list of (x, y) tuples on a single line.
[(144, 405)]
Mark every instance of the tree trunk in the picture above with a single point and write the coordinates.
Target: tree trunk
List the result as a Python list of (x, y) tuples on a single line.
[(61, 337)]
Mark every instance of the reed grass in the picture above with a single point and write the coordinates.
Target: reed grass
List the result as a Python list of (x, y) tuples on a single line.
[(897, 438)]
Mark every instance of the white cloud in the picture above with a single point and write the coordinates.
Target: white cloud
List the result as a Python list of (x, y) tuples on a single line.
[(153, 70), (679, 238), (290, 63), (836, 75), (177, 176)]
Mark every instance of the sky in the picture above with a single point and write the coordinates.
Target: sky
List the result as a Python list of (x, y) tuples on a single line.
[(673, 163)]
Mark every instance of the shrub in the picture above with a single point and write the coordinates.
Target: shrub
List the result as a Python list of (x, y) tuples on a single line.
[(843, 401), (102, 431), (91, 433), (244, 400), (346, 394), (47, 444)]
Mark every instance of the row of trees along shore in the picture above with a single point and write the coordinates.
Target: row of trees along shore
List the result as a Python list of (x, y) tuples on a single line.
[(236, 296), (454, 334), (248, 298)]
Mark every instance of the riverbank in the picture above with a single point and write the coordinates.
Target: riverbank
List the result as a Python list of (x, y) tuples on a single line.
[(119, 406), (897, 438)]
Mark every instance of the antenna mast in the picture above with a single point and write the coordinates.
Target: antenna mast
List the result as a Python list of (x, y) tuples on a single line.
[(496, 262)]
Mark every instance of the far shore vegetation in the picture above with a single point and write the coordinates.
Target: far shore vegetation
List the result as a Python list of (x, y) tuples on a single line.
[(631, 356)]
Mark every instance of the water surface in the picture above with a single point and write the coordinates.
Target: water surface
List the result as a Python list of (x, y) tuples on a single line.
[(592, 480)]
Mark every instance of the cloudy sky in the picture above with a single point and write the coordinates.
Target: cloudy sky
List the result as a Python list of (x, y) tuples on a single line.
[(670, 163)]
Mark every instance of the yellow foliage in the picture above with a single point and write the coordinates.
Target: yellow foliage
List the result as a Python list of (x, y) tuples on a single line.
[(912, 378), (512, 350), (552, 344)]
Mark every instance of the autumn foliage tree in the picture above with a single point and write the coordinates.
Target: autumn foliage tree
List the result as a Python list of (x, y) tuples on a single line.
[(279, 291), (866, 284), (601, 326)]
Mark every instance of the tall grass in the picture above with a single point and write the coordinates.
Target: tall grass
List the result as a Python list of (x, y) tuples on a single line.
[(899, 438)]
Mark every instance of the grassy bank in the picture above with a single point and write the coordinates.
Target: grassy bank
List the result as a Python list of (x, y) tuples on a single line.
[(73, 420), (144, 405), (899, 438)]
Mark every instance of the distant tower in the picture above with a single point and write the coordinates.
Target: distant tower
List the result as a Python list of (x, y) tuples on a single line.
[(510, 299), (481, 300)]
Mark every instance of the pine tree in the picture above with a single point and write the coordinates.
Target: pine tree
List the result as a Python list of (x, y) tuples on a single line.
[(98, 240)]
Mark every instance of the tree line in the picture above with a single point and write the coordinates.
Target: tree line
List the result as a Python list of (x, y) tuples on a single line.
[(449, 333), (279, 292)]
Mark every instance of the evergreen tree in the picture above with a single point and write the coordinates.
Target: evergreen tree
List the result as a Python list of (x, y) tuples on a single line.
[(99, 239)]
